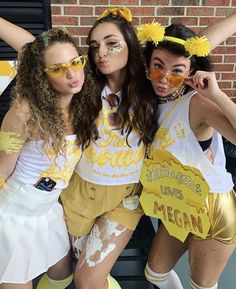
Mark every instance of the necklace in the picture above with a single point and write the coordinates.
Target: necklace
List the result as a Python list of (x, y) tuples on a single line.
[(178, 93)]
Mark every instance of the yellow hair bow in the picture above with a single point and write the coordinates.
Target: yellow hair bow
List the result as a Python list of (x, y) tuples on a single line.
[(154, 32), (121, 12)]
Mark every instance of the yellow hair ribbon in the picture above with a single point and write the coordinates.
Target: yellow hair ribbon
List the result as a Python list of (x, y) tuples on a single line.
[(10, 142), (121, 12), (2, 181), (154, 32)]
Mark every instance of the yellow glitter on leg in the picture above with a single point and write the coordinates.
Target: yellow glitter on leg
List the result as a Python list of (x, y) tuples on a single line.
[(10, 142)]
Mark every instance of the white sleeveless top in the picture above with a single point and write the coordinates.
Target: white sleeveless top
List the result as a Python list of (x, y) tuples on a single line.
[(36, 161), (110, 160), (179, 139)]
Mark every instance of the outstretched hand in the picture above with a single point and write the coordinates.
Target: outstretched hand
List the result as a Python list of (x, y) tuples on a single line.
[(204, 83)]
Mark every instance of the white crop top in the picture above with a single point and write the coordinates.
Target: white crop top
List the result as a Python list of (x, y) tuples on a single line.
[(36, 161), (178, 138), (110, 160)]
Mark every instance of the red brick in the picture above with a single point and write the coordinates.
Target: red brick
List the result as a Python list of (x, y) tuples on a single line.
[(154, 2), (64, 20), (228, 76), (223, 67), (205, 21), (124, 2), (170, 11), (231, 40), (135, 21), (162, 20), (94, 2), (188, 21), (84, 50), (225, 50), (56, 10), (185, 2), (83, 40), (225, 84), (203, 11), (87, 20), (223, 11), (230, 59), (78, 10), (215, 2), (78, 31), (64, 1), (216, 58)]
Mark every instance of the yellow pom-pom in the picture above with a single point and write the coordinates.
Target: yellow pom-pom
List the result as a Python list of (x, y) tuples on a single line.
[(199, 46), (153, 32)]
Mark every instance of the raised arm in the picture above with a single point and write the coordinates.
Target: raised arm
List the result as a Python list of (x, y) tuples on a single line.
[(14, 35), (220, 30)]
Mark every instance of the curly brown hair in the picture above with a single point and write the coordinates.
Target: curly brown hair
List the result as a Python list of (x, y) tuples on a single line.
[(136, 90), (33, 86)]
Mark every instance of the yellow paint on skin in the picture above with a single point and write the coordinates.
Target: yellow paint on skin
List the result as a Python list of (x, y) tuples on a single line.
[(10, 142), (2, 181)]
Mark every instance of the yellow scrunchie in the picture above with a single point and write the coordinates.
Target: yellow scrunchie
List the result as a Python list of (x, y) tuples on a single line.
[(121, 12)]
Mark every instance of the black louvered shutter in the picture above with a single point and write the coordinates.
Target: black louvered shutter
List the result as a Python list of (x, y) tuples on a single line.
[(32, 15)]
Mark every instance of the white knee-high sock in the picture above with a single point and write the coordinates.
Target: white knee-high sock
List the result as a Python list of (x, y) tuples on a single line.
[(193, 285), (169, 280)]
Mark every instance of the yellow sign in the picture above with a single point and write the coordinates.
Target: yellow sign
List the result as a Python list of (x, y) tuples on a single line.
[(175, 193), (7, 73)]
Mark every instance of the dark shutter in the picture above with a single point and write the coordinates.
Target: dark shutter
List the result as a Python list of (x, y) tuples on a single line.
[(32, 15)]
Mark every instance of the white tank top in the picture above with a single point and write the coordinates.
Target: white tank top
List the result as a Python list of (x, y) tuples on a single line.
[(110, 160), (179, 139), (36, 161)]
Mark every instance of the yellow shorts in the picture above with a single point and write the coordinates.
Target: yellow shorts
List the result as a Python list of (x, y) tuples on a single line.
[(221, 209), (83, 202)]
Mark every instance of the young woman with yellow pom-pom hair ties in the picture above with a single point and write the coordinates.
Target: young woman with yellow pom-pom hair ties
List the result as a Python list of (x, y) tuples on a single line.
[(192, 113)]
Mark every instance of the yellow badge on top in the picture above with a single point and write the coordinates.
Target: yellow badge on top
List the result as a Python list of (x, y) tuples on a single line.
[(176, 194)]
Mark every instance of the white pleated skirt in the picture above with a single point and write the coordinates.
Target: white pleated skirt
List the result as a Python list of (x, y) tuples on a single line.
[(33, 234)]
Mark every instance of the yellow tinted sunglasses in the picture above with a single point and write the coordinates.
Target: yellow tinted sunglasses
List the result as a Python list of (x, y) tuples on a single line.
[(175, 80), (60, 70)]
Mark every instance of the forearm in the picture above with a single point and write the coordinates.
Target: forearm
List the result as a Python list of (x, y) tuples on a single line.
[(220, 30), (14, 35), (227, 106)]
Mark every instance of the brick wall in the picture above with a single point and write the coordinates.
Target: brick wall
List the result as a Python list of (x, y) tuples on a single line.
[(78, 16)]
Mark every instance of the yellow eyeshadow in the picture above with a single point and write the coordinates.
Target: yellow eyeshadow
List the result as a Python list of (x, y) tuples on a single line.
[(10, 142)]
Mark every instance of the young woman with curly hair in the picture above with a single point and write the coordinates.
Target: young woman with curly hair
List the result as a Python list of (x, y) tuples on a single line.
[(39, 148)]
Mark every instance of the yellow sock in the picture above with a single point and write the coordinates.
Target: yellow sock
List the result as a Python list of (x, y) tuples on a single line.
[(112, 283), (46, 283)]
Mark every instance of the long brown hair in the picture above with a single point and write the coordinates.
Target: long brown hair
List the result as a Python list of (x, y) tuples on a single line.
[(136, 89)]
